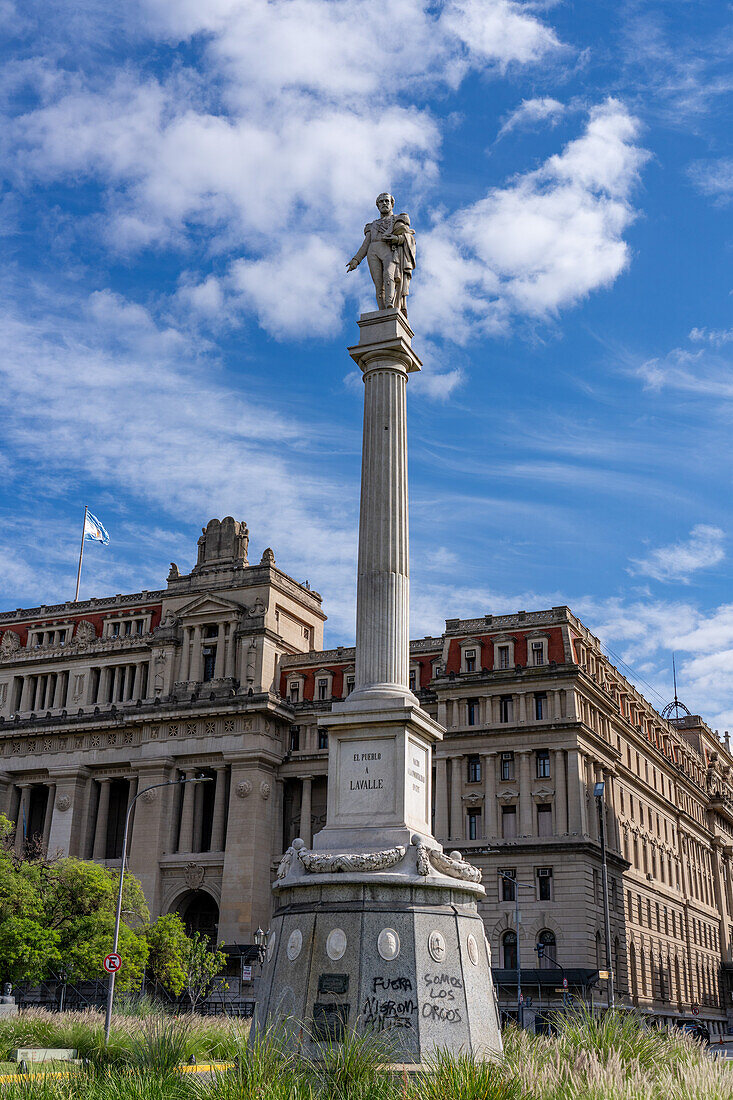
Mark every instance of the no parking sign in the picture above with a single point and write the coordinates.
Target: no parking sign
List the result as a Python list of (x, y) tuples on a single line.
[(112, 963)]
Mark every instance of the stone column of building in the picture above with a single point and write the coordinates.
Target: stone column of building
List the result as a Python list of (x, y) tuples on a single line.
[(577, 822), (198, 817), (21, 823), (721, 901), (25, 695), (48, 816), (185, 838), (557, 703), (231, 651), (153, 811), (100, 832), (561, 798), (196, 656), (134, 681), (59, 692), (220, 809), (522, 707), (491, 828), (5, 792), (613, 834), (306, 830), (185, 655), (526, 825), (219, 659), (441, 798), (246, 900), (72, 817), (590, 778), (457, 827)]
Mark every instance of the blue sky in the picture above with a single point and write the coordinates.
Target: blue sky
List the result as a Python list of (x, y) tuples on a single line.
[(182, 186)]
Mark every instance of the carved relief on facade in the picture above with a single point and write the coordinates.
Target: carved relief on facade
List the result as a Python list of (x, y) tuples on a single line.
[(63, 802), (244, 789), (194, 875), (265, 790), (85, 633), (362, 861), (10, 643)]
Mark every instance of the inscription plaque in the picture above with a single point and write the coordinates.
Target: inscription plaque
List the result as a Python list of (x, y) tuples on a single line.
[(333, 983), (366, 770), (329, 1021)]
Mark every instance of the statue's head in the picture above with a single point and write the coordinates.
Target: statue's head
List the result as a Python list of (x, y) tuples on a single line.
[(385, 203)]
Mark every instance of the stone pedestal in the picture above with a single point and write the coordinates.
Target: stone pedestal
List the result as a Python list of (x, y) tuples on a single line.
[(376, 927)]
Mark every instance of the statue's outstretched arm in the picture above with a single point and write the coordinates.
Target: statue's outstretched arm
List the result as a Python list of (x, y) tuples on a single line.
[(356, 260)]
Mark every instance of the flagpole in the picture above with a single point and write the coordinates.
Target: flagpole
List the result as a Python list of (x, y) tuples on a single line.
[(81, 553)]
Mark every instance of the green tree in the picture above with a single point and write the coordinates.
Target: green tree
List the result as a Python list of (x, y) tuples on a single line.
[(58, 915), (203, 965), (169, 948)]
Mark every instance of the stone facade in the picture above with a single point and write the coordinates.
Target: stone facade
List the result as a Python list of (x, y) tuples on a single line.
[(223, 671)]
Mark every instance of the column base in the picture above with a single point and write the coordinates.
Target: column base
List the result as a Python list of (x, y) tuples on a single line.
[(411, 961)]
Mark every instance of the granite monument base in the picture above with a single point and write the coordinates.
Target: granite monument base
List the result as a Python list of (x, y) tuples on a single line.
[(402, 958)]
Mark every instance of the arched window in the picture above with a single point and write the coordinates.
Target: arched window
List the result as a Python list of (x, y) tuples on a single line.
[(598, 950), (200, 913), (547, 939), (509, 946), (642, 957)]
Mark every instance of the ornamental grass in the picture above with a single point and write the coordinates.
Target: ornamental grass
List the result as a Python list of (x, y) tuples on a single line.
[(611, 1057)]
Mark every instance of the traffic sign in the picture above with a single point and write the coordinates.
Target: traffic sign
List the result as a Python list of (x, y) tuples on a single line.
[(695, 1010), (565, 983), (112, 963)]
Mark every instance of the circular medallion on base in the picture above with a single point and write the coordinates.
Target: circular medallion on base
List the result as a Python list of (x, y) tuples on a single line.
[(336, 944), (436, 945), (388, 944), (295, 943), (472, 950)]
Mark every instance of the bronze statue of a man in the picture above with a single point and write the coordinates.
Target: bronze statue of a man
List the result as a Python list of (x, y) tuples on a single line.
[(389, 247)]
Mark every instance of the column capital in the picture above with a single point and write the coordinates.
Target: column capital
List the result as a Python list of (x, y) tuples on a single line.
[(488, 755)]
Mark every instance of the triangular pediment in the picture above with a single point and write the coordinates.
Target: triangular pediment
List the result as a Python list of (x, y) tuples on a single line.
[(208, 604)]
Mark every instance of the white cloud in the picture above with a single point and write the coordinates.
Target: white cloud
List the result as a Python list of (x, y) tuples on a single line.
[(698, 372), (647, 633), (714, 178), (543, 242), (703, 549), (716, 337), (531, 111)]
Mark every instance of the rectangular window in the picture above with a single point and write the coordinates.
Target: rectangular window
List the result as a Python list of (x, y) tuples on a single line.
[(115, 630), (349, 685), (62, 637), (139, 623), (507, 888), (474, 817), (507, 765), (413, 680), (506, 708), (544, 883), (295, 692), (294, 738), (544, 820), (472, 712), (508, 822), (474, 769), (470, 658), (537, 653), (128, 627), (323, 689), (322, 739), (543, 763), (540, 706), (503, 656), (209, 655)]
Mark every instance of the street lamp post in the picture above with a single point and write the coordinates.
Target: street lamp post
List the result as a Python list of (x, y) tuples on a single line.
[(111, 985), (598, 791), (529, 886)]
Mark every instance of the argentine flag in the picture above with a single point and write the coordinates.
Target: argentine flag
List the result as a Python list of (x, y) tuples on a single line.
[(93, 530)]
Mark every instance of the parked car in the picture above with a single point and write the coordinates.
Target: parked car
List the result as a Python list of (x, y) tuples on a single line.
[(695, 1028)]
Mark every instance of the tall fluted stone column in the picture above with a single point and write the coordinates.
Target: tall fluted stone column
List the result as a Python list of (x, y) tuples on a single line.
[(561, 800), (526, 825), (185, 839), (21, 825), (385, 357)]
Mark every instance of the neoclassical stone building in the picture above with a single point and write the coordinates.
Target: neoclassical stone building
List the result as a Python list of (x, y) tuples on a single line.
[(223, 672)]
